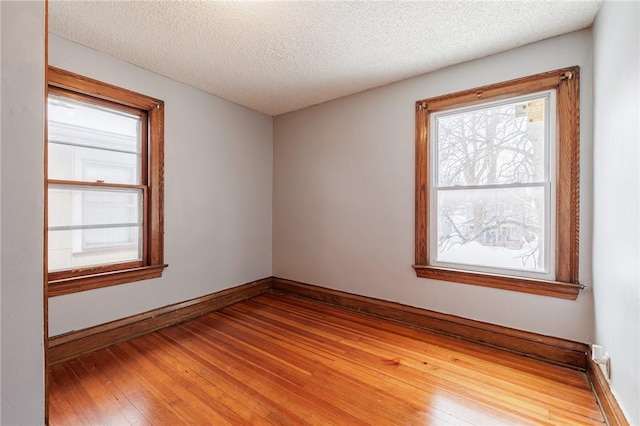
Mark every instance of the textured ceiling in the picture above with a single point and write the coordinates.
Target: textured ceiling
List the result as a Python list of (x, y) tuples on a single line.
[(277, 57)]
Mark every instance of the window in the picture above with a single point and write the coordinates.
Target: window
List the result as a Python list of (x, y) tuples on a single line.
[(497, 185), (104, 184)]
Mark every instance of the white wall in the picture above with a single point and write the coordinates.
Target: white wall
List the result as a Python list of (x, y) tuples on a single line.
[(22, 104), (218, 193), (344, 195), (616, 236)]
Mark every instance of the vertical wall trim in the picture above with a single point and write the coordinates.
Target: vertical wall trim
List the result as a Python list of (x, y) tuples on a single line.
[(45, 237)]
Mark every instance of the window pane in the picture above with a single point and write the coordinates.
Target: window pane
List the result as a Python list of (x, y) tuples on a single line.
[(92, 247), (82, 135), (500, 228), (81, 207), (93, 226), (68, 162), (498, 144)]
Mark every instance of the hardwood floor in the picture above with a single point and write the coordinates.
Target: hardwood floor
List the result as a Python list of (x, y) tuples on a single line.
[(278, 359)]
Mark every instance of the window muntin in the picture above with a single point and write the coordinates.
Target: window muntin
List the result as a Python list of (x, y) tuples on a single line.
[(492, 195), (104, 199), (563, 250)]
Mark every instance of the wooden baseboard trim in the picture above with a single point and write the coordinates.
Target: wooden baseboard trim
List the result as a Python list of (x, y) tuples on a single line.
[(550, 349), (76, 343), (608, 403)]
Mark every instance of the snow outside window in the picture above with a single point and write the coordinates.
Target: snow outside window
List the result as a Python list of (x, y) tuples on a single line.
[(492, 205)]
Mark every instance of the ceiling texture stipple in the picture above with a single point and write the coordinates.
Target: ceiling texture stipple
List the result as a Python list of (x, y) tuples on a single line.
[(280, 56)]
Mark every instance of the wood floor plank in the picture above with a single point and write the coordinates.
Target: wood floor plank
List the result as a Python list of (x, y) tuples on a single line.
[(198, 394), (112, 410), (61, 398), (471, 374), (309, 309), (85, 409), (213, 389), (512, 384), (264, 377), (283, 360), (223, 371), (305, 308), (175, 392), (346, 355), (147, 400)]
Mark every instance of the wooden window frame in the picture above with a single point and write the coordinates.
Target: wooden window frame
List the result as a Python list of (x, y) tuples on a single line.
[(565, 253), (151, 110)]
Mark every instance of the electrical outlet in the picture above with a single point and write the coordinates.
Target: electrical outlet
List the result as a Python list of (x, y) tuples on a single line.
[(596, 352)]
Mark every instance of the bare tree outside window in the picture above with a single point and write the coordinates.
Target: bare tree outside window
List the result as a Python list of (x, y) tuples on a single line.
[(497, 185), (491, 185)]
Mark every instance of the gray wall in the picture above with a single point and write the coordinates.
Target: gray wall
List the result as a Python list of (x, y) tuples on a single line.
[(21, 143), (616, 237), (218, 180), (344, 194), (342, 201)]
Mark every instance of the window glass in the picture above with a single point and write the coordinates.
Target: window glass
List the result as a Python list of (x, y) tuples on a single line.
[(90, 143), (500, 228), (93, 226), (492, 187), (498, 144)]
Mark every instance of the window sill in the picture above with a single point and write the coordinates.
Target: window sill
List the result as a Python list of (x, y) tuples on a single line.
[(524, 285), (105, 279)]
